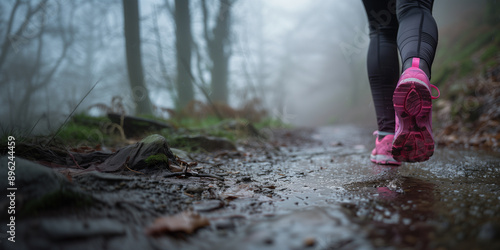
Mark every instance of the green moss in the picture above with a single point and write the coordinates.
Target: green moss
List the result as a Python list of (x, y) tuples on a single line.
[(230, 135), (83, 118), (55, 200), (157, 159), (85, 129), (271, 123)]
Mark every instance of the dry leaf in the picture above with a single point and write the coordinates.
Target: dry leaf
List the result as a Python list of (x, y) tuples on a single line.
[(186, 222)]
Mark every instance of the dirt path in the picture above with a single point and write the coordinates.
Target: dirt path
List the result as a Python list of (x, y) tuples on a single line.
[(313, 189)]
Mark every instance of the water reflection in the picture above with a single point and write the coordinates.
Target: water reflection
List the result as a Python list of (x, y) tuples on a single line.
[(398, 208)]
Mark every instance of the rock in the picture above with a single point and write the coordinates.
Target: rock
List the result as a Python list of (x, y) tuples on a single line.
[(187, 222), (152, 151), (207, 205), (180, 153), (136, 126), (38, 187), (61, 229), (32, 180), (488, 232)]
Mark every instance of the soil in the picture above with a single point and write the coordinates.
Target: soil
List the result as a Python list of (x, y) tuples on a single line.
[(298, 189)]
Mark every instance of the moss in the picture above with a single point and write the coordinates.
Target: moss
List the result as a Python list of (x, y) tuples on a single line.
[(85, 129), (73, 132), (157, 159), (196, 123), (271, 123), (55, 200), (83, 118)]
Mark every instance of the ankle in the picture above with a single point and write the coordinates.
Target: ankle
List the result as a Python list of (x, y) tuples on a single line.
[(382, 134), (423, 65)]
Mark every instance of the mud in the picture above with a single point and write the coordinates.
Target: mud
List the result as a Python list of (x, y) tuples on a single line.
[(307, 189)]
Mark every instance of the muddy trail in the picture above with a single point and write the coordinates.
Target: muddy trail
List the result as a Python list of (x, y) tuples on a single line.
[(302, 189)]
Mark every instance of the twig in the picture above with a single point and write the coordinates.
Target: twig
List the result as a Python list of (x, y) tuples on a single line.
[(126, 165), (69, 116), (36, 123), (74, 160)]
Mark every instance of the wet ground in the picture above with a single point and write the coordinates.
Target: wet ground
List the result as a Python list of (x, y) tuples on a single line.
[(315, 189)]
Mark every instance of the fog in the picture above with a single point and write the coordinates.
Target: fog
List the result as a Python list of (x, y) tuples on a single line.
[(304, 60)]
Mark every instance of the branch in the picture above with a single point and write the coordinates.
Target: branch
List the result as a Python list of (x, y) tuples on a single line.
[(69, 116), (216, 111), (8, 37), (5, 45)]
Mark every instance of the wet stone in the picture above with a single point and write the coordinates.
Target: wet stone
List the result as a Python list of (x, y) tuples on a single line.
[(36, 180), (207, 205), (59, 229)]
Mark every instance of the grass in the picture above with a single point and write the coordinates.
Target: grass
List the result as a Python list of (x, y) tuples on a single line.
[(490, 53), (471, 52), (85, 130)]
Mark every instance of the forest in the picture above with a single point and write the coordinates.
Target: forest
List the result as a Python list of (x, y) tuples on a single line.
[(302, 63), (223, 124)]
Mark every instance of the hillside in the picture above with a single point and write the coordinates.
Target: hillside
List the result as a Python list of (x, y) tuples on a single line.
[(467, 71)]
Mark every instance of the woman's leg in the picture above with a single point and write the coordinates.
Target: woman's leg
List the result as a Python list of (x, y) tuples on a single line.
[(417, 41), (383, 73), (418, 34), (382, 60)]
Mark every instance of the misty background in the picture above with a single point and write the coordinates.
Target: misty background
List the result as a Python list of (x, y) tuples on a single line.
[(303, 61)]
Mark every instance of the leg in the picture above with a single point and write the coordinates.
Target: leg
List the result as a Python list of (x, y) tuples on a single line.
[(418, 34), (383, 73), (417, 41), (382, 60)]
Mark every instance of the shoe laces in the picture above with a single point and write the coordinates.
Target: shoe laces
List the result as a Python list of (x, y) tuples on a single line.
[(439, 93)]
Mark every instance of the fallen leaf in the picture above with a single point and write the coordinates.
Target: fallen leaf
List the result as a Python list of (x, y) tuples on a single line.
[(186, 222)]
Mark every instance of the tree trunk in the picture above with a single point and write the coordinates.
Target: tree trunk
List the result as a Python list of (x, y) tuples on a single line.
[(183, 45), (140, 93), (220, 51)]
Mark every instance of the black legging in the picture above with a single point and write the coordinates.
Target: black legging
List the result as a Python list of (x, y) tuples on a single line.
[(404, 24)]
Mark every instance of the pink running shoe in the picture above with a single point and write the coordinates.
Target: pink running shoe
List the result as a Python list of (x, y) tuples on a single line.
[(381, 154), (413, 106)]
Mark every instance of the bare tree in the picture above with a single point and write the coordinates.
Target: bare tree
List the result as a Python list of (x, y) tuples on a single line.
[(219, 49), (134, 60), (183, 45), (30, 50)]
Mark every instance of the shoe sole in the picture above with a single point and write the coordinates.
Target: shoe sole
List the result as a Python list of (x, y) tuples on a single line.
[(383, 160), (413, 105)]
